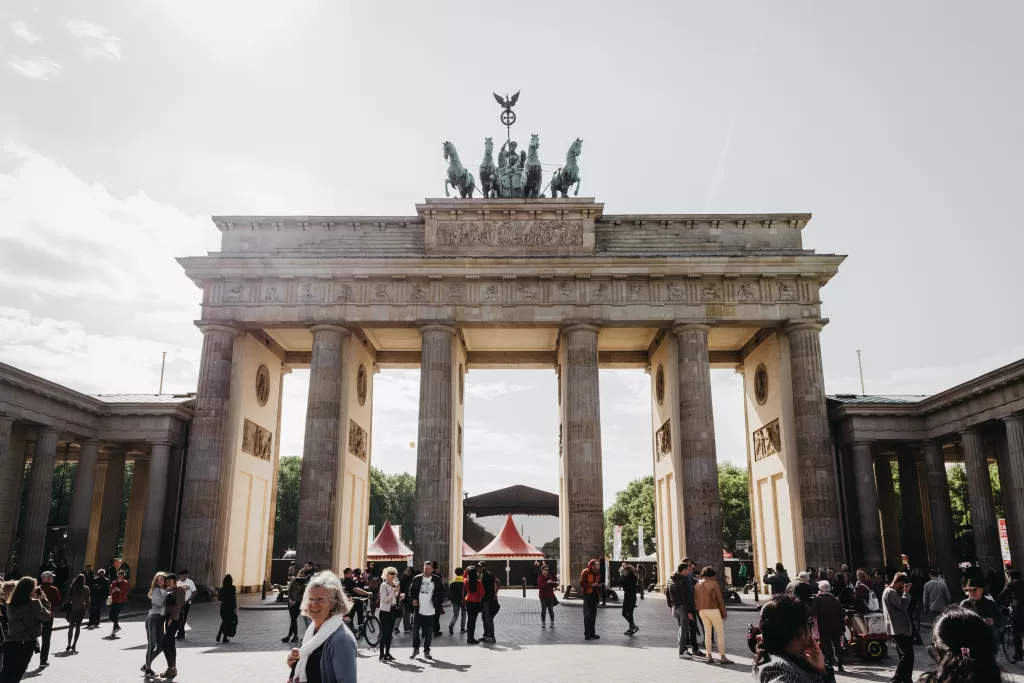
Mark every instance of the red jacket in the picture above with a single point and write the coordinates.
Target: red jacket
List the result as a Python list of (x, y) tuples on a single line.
[(547, 587), (52, 594), (119, 592), (474, 595)]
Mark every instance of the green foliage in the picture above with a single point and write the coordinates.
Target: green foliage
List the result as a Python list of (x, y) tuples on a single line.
[(289, 471), (393, 498), (734, 494), (126, 489), (959, 500), (553, 548), (633, 507)]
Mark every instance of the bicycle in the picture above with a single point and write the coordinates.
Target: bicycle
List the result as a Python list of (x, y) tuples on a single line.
[(1005, 634), (369, 624)]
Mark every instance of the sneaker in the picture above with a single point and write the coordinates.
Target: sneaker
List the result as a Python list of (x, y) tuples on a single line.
[(426, 653), (588, 637), (415, 654), (685, 654), (596, 637), (472, 641), (451, 631), (462, 630), (283, 640), (42, 664), (295, 639), (698, 653), (635, 628)]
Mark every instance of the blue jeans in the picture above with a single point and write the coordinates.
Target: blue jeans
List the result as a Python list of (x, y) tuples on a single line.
[(457, 609)]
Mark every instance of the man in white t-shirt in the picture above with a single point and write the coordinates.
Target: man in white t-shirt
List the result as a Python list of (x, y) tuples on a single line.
[(427, 592), (190, 592)]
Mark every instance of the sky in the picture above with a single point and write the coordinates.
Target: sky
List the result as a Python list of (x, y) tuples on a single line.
[(125, 125)]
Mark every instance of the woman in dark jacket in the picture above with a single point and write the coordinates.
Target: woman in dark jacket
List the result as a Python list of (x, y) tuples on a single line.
[(628, 582), (403, 589), (27, 609), (228, 609), (78, 602)]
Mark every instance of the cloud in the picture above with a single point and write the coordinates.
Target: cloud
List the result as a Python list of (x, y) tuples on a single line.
[(20, 29), (490, 390), (38, 68), (61, 235), (97, 41), (63, 351)]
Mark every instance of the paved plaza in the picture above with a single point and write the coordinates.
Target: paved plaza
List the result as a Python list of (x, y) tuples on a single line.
[(523, 651)]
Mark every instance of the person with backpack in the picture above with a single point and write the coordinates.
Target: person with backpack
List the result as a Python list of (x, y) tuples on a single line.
[(455, 591), (864, 598)]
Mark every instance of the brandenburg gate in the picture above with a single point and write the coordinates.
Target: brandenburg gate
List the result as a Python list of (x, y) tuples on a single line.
[(508, 282)]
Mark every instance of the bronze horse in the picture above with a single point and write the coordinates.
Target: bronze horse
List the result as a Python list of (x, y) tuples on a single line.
[(458, 177), (532, 170), (569, 174), (489, 171)]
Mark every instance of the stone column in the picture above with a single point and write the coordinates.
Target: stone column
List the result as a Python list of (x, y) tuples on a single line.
[(110, 508), (276, 463), (867, 505), (204, 505), (81, 506), (819, 491), (12, 469), (887, 515), (319, 503), (37, 502), (983, 508), (702, 517), (581, 453), (150, 540), (1013, 492), (434, 449), (136, 510), (913, 522), (942, 516)]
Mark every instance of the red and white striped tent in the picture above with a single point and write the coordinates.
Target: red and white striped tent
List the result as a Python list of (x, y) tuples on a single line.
[(388, 547), (467, 552)]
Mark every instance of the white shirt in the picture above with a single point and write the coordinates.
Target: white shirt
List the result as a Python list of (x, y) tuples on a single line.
[(388, 596), (426, 597), (190, 589)]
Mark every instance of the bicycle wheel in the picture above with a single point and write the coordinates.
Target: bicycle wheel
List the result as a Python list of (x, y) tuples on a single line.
[(1006, 638), (371, 631)]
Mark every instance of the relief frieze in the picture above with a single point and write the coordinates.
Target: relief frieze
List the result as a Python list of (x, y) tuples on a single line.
[(357, 440), (767, 440), (663, 439), (545, 233), (256, 440)]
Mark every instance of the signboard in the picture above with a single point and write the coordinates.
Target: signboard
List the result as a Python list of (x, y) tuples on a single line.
[(726, 555), (617, 543), (743, 547), (1004, 540)]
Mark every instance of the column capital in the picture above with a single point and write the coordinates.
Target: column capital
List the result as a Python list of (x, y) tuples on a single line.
[(814, 324), (683, 327), (5, 418), (438, 327), (590, 327), (160, 442), (218, 328), (1009, 419), (329, 328), (862, 442), (48, 430), (970, 430)]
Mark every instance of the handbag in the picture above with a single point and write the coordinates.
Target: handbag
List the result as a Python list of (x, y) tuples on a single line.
[(555, 600), (110, 600)]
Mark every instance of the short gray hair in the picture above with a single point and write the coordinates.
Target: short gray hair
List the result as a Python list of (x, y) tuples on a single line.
[(340, 603)]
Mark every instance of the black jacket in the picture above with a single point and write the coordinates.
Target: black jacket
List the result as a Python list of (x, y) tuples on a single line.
[(682, 593), (778, 582), (438, 596), (455, 591)]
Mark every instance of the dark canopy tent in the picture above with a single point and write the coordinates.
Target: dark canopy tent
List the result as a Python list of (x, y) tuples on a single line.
[(514, 500)]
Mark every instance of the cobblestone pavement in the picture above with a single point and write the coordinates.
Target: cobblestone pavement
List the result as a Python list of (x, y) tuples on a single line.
[(523, 650)]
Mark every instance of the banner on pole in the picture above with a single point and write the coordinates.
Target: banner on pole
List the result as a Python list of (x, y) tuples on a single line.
[(617, 543), (1004, 540)]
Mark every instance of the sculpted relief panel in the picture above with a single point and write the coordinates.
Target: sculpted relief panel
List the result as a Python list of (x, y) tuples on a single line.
[(767, 440), (509, 233), (256, 440), (357, 442)]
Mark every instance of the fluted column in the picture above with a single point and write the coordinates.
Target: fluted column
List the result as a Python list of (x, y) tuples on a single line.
[(942, 515), (983, 508), (37, 502), (110, 508), (434, 448), (81, 506), (913, 521), (12, 469), (581, 448), (319, 505), (867, 504), (702, 516), (887, 515), (204, 505), (819, 490), (136, 510), (151, 538), (1013, 490)]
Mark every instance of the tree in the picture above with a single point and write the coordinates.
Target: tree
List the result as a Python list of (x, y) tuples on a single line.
[(393, 499), (633, 507), (286, 523), (552, 548), (734, 496), (960, 504)]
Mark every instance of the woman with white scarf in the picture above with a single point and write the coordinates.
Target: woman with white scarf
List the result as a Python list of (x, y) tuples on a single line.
[(328, 653)]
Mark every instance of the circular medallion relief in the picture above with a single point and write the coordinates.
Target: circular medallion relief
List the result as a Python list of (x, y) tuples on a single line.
[(761, 384), (361, 385), (659, 385), (462, 384), (262, 385)]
